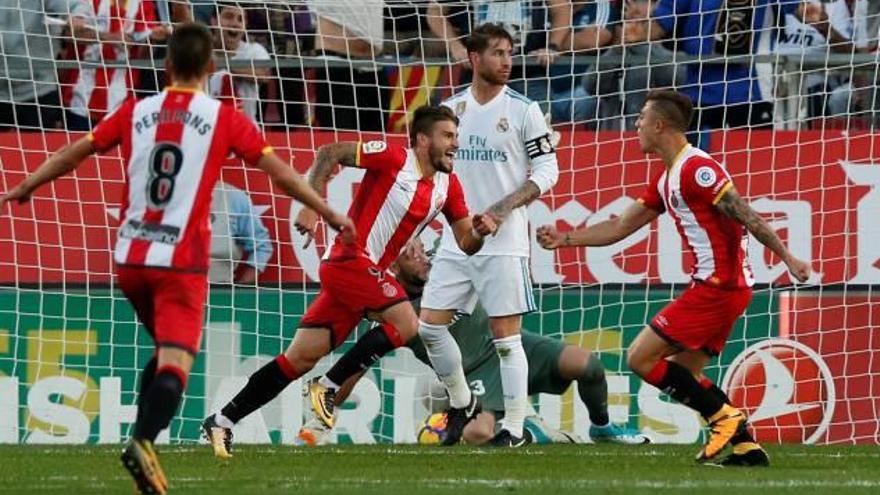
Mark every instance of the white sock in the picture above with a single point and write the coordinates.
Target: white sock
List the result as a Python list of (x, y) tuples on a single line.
[(514, 382), (445, 358), (327, 382), (223, 421)]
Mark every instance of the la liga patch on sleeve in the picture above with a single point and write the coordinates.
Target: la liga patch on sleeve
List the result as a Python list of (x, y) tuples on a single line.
[(705, 176)]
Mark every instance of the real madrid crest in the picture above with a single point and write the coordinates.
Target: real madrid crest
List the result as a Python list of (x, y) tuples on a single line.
[(502, 126), (459, 108)]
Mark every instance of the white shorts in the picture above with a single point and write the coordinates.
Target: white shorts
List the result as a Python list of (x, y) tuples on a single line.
[(503, 284)]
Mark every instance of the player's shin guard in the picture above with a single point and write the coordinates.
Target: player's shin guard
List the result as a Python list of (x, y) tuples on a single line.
[(742, 437), (445, 358), (593, 390), (514, 382), (159, 404), (374, 344), (264, 385), (681, 385)]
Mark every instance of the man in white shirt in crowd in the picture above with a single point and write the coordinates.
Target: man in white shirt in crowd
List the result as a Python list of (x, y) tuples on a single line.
[(240, 85), (835, 26), (350, 97)]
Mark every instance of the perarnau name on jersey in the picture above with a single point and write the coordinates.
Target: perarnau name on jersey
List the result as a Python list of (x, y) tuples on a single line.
[(175, 116)]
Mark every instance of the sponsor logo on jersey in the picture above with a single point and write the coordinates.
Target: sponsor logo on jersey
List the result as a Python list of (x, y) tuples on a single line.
[(150, 232), (785, 388), (372, 147), (477, 149), (705, 176), (503, 125)]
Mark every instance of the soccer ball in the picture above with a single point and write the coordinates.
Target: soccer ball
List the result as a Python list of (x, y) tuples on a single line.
[(433, 430)]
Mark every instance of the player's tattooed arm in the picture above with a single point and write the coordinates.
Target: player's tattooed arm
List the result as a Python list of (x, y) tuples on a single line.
[(526, 193), (732, 205), (326, 159)]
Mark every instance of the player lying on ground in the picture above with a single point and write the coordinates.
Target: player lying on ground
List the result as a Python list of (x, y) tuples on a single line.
[(553, 366), (672, 350), (173, 144), (402, 191)]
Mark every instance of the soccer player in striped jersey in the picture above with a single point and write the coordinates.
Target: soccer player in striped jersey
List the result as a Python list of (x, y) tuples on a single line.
[(402, 191), (507, 159), (173, 144), (672, 350)]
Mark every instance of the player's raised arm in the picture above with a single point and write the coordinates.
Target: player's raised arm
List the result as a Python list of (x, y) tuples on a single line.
[(283, 176), (604, 233), (731, 204), (107, 134), (60, 163), (326, 160)]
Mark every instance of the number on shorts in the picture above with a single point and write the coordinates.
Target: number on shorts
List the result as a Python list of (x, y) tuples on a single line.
[(166, 160)]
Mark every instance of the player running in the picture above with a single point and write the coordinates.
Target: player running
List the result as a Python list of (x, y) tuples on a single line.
[(672, 350), (173, 144), (553, 366), (402, 191), (506, 161)]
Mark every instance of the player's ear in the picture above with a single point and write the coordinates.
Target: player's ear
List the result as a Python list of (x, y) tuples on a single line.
[(169, 72), (212, 66)]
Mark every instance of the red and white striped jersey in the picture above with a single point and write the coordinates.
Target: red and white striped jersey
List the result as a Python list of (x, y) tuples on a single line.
[(173, 144), (689, 191), (395, 203), (94, 92)]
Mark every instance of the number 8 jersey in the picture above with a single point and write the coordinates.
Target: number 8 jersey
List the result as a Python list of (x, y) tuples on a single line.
[(173, 145)]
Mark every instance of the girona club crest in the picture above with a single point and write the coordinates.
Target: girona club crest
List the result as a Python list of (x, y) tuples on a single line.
[(785, 388)]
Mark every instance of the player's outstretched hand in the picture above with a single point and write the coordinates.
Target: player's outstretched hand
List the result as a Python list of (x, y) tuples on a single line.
[(345, 227), (306, 224), (799, 269), (549, 237), (20, 194), (485, 224)]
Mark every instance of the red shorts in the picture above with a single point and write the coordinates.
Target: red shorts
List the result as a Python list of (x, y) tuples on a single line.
[(171, 304), (349, 290), (702, 317)]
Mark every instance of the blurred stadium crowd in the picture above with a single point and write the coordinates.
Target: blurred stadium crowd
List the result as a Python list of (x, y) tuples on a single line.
[(363, 64)]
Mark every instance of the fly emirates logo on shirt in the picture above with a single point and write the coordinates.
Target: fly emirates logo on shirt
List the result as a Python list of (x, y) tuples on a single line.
[(478, 149)]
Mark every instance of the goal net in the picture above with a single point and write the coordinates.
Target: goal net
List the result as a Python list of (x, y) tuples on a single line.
[(787, 95)]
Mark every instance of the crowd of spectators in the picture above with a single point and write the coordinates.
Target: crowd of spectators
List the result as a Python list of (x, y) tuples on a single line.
[(588, 62)]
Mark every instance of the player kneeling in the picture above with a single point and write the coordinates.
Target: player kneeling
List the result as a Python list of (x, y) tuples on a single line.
[(553, 367)]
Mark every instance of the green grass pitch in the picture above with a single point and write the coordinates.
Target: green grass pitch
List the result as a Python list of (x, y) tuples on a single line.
[(388, 469)]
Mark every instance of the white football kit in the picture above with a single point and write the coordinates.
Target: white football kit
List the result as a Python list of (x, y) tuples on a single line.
[(502, 144)]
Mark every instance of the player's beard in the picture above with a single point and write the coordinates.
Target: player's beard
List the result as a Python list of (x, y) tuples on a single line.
[(438, 160), (496, 78)]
